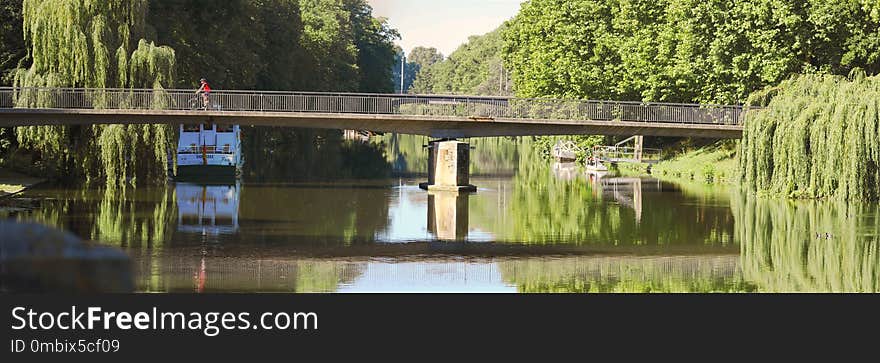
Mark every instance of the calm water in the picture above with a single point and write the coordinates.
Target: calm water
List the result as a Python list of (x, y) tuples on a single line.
[(533, 226)]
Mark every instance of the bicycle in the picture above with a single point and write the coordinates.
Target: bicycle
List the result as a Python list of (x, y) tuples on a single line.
[(198, 103)]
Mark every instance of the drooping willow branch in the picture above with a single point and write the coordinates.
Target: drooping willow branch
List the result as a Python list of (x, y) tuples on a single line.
[(95, 44)]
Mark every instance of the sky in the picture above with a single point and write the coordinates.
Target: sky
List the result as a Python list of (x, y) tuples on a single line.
[(443, 24)]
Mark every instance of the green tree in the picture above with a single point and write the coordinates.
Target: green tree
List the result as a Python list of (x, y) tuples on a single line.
[(419, 59), (12, 52), (12, 47), (419, 64), (217, 40), (424, 56), (329, 40), (474, 68), (817, 138), (683, 50), (374, 40), (329, 45), (79, 43), (283, 53)]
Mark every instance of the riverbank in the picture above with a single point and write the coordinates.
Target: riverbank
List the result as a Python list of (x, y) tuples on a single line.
[(710, 164), (14, 183)]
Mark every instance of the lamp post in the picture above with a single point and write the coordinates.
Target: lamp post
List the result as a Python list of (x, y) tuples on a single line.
[(402, 70)]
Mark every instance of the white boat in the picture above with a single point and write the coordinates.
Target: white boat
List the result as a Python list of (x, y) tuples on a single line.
[(209, 150)]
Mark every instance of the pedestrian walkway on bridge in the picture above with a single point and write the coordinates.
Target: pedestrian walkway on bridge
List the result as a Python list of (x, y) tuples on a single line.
[(439, 116)]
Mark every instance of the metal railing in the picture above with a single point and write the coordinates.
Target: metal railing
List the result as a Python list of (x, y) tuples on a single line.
[(205, 149), (625, 154), (566, 150), (475, 107)]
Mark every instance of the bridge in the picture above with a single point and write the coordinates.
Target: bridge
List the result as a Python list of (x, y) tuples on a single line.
[(436, 116)]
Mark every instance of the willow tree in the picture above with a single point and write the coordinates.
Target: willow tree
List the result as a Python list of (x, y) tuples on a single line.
[(95, 44), (818, 137)]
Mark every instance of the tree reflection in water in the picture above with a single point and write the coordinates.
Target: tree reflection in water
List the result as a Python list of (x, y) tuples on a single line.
[(540, 228), (808, 246)]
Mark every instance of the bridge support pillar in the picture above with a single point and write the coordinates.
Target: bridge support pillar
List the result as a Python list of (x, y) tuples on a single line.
[(448, 167), (639, 146)]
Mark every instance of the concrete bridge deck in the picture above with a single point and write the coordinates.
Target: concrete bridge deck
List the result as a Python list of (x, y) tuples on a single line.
[(434, 116)]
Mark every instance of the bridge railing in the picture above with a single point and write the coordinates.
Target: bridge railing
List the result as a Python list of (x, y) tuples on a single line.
[(619, 153), (360, 103)]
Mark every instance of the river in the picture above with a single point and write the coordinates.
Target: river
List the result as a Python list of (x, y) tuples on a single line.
[(349, 217)]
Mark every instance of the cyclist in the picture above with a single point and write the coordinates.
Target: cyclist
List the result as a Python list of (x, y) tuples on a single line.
[(205, 90)]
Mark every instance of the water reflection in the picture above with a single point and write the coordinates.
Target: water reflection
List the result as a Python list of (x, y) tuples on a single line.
[(207, 209), (567, 171), (448, 215), (626, 191), (627, 274), (532, 227), (809, 246), (544, 209), (194, 271)]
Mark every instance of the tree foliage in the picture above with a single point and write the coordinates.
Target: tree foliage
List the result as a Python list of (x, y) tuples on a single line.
[(12, 47), (474, 68), (217, 40), (419, 58), (12, 52), (425, 57), (818, 137), (95, 44), (684, 50), (373, 38), (315, 45)]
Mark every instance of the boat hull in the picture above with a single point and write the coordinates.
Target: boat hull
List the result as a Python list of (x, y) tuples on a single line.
[(201, 172)]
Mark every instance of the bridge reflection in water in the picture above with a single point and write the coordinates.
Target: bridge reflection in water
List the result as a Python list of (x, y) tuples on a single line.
[(831, 248), (627, 191), (445, 258), (834, 249), (531, 227), (709, 273)]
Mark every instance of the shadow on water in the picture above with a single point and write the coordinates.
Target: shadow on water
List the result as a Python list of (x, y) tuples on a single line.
[(531, 227), (300, 155)]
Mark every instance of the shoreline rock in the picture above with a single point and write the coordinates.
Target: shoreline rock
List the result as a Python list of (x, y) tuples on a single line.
[(38, 259)]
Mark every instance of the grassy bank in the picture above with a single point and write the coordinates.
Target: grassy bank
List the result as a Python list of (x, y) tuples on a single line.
[(713, 163), (12, 182)]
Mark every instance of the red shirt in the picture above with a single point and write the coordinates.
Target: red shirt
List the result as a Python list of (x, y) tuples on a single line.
[(207, 88)]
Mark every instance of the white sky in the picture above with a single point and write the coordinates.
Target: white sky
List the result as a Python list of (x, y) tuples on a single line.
[(443, 24)]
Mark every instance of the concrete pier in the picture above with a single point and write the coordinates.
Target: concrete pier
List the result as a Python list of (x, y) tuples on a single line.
[(448, 167)]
